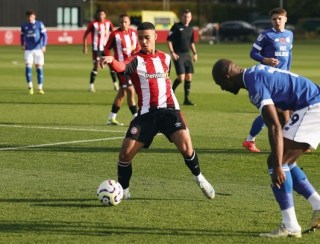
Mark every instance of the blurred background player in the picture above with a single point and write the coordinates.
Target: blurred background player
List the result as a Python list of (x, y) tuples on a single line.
[(33, 41), (180, 41), (124, 42), (159, 110), (273, 47), (100, 29)]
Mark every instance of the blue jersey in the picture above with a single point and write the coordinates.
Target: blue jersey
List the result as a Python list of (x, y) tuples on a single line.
[(273, 44), (286, 90), (33, 35)]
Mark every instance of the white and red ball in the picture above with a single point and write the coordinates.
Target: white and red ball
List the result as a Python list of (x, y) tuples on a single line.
[(110, 193)]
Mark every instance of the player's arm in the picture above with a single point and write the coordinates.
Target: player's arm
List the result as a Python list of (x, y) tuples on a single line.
[(126, 67), (84, 39), (22, 41), (271, 119), (44, 37), (193, 48)]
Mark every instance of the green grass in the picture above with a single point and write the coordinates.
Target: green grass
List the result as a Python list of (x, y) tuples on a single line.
[(58, 150)]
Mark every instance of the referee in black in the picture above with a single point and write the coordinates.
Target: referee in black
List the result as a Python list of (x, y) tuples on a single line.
[(180, 41)]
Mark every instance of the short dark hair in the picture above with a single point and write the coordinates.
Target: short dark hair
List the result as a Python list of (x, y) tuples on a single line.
[(220, 70), (185, 11), (99, 11), (30, 12), (123, 15), (146, 26), (280, 11)]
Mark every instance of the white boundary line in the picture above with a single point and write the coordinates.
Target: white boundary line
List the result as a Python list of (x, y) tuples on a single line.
[(60, 143), (59, 128)]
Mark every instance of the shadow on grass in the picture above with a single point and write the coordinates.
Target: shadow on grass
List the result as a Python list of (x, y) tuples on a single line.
[(100, 229)]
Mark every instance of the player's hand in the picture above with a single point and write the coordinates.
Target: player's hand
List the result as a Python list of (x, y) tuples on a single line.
[(278, 176), (105, 60), (44, 49), (85, 50), (175, 56), (195, 57), (273, 62)]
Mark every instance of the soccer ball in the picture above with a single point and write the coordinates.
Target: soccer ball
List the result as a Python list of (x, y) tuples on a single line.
[(110, 193)]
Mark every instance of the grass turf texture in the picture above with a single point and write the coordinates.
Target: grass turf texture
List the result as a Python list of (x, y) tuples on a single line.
[(56, 149)]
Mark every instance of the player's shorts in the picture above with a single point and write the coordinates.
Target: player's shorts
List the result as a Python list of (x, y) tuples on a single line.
[(124, 80), (184, 64), (34, 57), (143, 128), (96, 55), (304, 126)]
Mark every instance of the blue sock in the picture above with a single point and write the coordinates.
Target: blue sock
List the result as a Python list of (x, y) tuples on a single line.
[(28, 74), (40, 75), (257, 126), (300, 182), (284, 195)]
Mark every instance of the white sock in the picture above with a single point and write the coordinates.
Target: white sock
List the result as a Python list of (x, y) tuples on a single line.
[(40, 86), (251, 138), (112, 116), (126, 191), (30, 85), (200, 177), (289, 219), (314, 200)]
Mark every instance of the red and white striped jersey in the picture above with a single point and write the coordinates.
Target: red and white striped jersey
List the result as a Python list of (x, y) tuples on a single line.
[(149, 74), (100, 32), (124, 44)]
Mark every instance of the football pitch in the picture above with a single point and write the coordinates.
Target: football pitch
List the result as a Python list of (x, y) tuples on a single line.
[(55, 149)]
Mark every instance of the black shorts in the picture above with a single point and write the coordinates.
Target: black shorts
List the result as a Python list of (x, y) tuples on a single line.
[(184, 64), (124, 80), (143, 128), (96, 55)]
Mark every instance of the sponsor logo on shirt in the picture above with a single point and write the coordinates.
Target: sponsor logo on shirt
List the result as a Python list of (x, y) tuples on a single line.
[(156, 75), (256, 99)]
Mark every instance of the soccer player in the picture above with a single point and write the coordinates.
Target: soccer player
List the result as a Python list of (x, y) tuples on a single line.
[(124, 42), (272, 47), (33, 40), (100, 29), (180, 41), (274, 90), (159, 110)]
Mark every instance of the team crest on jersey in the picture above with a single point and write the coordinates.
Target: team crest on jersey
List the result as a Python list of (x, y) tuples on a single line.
[(288, 40), (134, 130)]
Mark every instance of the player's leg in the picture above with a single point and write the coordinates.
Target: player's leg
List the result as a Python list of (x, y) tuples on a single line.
[(131, 101), (256, 128), (113, 75), (189, 70), (117, 102), (139, 134), (303, 127), (28, 59), (180, 74), (182, 140), (187, 87), (39, 63), (129, 149), (94, 71)]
